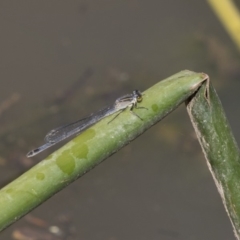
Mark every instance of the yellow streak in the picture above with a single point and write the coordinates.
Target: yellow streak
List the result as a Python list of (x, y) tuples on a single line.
[(229, 15)]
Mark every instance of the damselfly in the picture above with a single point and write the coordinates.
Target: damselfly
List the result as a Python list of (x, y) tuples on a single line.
[(59, 134)]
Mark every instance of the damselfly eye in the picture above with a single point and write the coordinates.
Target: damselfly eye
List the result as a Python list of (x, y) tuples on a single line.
[(138, 95), (139, 98)]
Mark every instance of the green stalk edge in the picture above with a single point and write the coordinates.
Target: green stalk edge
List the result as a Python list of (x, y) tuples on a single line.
[(219, 147)]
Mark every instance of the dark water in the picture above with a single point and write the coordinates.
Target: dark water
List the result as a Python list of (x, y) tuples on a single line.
[(158, 187)]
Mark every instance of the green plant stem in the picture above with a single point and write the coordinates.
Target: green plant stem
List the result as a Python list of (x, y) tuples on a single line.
[(93, 146)]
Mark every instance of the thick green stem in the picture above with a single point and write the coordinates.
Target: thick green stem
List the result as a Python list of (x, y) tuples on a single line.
[(93, 146)]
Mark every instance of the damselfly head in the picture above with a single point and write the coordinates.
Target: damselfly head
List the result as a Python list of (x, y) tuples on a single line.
[(138, 95)]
